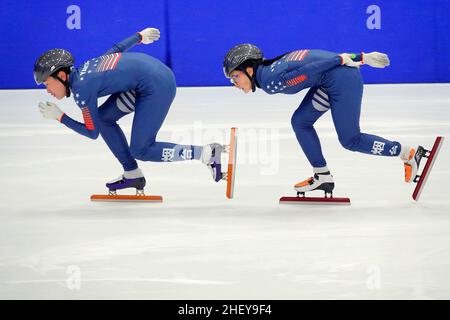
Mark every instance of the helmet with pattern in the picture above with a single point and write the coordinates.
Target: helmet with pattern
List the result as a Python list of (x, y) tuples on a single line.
[(239, 55), (50, 62)]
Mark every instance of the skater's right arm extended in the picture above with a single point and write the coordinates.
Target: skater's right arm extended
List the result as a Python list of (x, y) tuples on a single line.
[(146, 36), (297, 76)]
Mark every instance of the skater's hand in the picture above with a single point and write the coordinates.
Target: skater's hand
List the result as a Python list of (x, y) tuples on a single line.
[(376, 59), (49, 110), (347, 60), (149, 35)]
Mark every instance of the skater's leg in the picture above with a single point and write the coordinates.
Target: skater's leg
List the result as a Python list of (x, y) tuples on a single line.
[(110, 111), (114, 108), (313, 106), (151, 110), (346, 111)]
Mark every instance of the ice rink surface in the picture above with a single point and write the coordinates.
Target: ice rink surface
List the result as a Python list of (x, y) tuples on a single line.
[(57, 244)]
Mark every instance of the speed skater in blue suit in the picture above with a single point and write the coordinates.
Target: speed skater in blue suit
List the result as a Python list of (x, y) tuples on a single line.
[(335, 84), (136, 83)]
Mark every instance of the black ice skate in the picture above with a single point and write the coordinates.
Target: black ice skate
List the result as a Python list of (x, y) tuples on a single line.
[(125, 183), (212, 157)]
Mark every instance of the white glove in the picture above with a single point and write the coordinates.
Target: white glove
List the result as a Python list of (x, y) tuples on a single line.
[(149, 35), (49, 110), (376, 59), (347, 60)]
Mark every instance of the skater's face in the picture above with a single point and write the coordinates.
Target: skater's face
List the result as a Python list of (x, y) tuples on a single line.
[(55, 87), (241, 81)]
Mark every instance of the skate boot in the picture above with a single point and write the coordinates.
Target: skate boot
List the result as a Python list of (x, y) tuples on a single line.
[(411, 161), (211, 156), (130, 179), (320, 181)]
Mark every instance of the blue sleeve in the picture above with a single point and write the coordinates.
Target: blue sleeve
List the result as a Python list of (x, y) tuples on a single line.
[(309, 70), (90, 115), (126, 44)]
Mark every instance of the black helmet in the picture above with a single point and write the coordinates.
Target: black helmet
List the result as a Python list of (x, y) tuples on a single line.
[(240, 54), (50, 62)]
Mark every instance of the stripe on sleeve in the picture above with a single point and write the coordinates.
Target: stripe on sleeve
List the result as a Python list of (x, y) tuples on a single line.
[(88, 119)]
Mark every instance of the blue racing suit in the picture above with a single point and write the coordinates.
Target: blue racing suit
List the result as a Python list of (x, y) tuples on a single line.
[(332, 87), (137, 83)]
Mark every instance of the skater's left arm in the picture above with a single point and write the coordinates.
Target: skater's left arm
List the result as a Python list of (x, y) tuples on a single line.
[(88, 129), (146, 36)]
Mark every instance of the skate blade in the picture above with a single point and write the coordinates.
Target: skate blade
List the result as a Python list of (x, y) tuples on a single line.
[(315, 200), (427, 169), (232, 154), (130, 198)]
